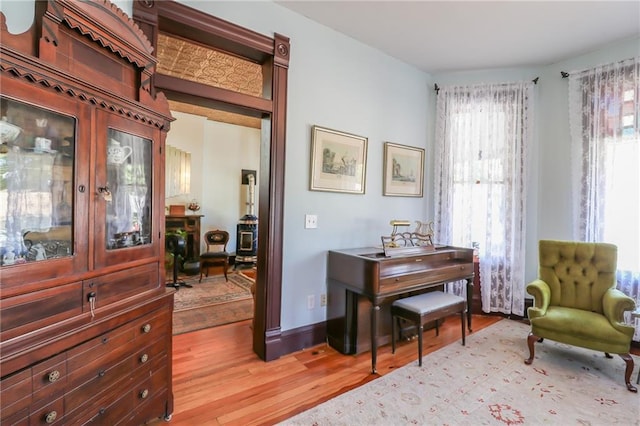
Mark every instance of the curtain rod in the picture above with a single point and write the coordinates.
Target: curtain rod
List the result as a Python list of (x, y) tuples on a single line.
[(437, 88)]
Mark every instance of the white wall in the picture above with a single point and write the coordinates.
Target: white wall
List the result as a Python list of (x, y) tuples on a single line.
[(219, 152)]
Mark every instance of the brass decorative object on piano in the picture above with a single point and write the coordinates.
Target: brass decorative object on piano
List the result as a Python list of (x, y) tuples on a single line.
[(404, 243), (363, 282)]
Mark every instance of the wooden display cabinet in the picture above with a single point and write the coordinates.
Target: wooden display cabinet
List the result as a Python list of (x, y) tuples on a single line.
[(85, 318)]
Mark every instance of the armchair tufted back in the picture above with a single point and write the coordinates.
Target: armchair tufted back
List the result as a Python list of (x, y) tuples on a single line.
[(578, 273)]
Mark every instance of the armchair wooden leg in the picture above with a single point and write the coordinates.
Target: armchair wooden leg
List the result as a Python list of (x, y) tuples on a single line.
[(531, 339), (627, 372)]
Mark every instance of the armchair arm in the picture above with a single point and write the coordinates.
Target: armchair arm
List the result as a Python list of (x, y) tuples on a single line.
[(614, 304), (541, 296)]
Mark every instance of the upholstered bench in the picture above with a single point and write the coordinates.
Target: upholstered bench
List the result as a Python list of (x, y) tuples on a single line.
[(423, 308)]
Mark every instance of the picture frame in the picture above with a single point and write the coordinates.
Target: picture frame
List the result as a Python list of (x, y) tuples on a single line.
[(338, 161), (403, 170)]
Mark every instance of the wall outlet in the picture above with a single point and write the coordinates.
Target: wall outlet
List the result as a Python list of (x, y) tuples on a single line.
[(310, 221), (323, 299), (311, 301)]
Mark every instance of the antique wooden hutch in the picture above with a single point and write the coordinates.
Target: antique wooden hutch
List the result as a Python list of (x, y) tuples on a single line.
[(85, 318)]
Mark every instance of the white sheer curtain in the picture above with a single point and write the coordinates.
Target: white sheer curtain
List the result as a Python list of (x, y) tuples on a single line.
[(482, 133), (604, 109)]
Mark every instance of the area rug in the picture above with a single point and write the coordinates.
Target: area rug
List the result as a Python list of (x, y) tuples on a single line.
[(487, 383), (212, 302)]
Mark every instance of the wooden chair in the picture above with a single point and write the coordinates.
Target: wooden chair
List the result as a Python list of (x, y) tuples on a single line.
[(216, 254)]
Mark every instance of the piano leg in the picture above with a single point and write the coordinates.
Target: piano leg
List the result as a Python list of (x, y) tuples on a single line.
[(375, 311), (469, 301)]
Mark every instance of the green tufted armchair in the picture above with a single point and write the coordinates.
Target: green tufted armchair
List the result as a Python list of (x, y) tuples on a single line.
[(576, 301)]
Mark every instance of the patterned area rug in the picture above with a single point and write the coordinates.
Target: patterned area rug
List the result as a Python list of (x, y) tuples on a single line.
[(212, 302), (487, 383)]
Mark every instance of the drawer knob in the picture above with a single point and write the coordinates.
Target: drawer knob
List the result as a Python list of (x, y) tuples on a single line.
[(144, 358), (101, 373), (144, 394), (146, 328), (51, 417), (54, 376)]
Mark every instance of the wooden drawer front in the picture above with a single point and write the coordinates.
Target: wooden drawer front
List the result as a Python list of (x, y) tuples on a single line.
[(121, 285), (97, 367), (108, 343), (29, 312), (149, 355), (50, 377), (15, 396), (146, 390), (152, 409), (106, 410), (149, 329), (408, 264), (51, 413), (446, 273), (103, 381)]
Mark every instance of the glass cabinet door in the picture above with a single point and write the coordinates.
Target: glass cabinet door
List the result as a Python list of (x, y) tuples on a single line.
[(128, 193), (37, 154)]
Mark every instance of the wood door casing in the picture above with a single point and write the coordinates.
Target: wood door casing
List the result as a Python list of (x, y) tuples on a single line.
[(273, 53)]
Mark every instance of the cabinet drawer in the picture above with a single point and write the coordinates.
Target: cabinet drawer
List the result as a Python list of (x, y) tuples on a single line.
[(103, 411), (101, 382), (148, 389), (15, 396), (24, 313), (149, 329), (149, 355), (451, 272), (107, 343), (120, 285), (49, 377), (51, 413)]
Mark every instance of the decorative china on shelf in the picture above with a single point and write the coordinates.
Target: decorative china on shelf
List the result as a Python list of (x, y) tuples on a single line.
[(117, 154), (8, 132)]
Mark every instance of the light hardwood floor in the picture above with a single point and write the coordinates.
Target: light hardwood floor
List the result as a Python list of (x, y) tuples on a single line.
[(218, 380)]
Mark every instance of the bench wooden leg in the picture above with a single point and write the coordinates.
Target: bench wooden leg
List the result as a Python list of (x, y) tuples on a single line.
[(420, 330), (393, 334)]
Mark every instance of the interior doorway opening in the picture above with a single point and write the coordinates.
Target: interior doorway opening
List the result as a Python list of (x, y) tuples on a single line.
[(272, 54)]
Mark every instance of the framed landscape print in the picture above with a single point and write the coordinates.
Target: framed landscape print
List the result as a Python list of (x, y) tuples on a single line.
[(403, 170), (338, 161)]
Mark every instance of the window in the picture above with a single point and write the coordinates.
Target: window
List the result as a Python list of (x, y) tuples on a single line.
[(604, 111), (480, 167)]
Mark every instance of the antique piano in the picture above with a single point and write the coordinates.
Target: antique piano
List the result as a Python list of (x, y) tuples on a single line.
[(363, 282)]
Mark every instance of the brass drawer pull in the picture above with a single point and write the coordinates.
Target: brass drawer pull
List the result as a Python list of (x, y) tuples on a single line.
[(50, 417), (54, 376), (146, 328), (144, 358), (144, 394)]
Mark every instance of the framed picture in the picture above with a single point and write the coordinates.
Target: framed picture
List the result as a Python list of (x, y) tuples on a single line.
[(403, 170), (338, 161)]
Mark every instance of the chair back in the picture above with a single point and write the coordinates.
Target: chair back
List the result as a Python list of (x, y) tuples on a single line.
[(578, 273), (216, 240)]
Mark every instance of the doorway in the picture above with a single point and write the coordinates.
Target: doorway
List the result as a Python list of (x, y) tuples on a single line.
[(272, 55)]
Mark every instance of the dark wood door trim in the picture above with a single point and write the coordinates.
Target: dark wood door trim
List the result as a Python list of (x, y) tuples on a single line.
[(170, 17)]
